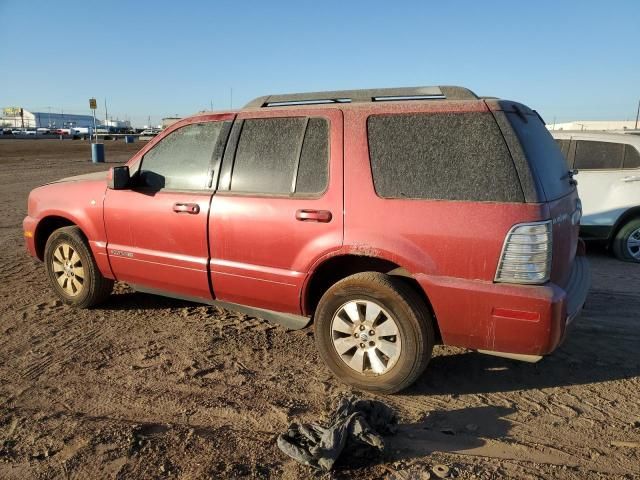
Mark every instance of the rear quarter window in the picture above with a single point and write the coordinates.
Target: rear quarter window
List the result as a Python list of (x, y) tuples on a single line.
[(543, 154), (452, 156)]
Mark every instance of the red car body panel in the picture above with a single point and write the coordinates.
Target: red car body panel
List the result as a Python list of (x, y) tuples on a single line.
[(78, 202), (150, 244), (252, 250)]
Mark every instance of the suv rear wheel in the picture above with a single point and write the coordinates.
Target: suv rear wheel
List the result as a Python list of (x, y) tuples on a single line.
[(72, 271), (626, 244), (374, 332)]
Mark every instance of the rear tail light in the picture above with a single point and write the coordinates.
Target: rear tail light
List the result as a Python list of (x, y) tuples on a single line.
[(526, 254)]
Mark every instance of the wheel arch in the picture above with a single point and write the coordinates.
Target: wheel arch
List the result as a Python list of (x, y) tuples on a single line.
[(622, 220), (46, 227), (333, 269)]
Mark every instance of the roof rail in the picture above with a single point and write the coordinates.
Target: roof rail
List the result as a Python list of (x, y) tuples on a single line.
[(366, 95)]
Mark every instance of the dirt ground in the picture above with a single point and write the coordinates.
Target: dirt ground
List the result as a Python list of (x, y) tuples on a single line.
[(149, 387)]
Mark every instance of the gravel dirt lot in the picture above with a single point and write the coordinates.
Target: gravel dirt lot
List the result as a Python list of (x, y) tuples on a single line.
[(149, 387)]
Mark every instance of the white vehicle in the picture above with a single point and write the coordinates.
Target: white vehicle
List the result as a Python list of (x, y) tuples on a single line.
[(608, 166)]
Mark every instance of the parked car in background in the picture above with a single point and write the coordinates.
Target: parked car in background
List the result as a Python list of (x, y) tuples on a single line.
[(609, 185), (150, 132), (393, 219)]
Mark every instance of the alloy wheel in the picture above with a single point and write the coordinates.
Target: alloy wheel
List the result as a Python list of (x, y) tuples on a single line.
[(366, 337), (68, 269)]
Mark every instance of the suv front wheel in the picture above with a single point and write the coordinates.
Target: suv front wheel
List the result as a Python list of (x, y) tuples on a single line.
[(374, 332), (72, 271)]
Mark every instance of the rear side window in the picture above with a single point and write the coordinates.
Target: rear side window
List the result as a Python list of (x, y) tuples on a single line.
[(631, 157), (182, 159), (282, 156), (453, 156), (543, 154), (592, 155)]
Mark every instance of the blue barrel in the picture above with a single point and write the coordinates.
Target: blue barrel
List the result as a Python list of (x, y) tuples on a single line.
[(129, 139), (97, 152)]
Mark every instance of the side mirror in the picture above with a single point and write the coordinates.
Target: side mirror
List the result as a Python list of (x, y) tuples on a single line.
[(119, 178)]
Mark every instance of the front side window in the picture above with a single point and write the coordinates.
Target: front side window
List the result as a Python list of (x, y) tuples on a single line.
[(282, 156), (591, 155), (182, 159)]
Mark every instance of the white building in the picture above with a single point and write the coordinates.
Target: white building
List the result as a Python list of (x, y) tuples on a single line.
[(17, 117), (595, 125), (117, 123)]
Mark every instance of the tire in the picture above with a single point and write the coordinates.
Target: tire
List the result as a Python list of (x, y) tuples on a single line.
[(72, 270), (626, 243), (359, 297)]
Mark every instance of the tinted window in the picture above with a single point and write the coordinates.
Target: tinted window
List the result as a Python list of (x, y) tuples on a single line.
[(313, 171), (281, 156), (631, 157), (454, 156), (182, 159), (598, 155), (564, 148), (543, 154)]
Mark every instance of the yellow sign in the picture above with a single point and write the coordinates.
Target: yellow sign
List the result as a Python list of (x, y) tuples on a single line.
[(11, 111), (92, 104)]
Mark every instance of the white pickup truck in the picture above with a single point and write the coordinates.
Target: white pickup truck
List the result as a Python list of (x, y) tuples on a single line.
[(608, 166)]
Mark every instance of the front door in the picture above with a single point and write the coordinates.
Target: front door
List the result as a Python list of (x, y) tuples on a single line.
[(278, 207), (157, 230)]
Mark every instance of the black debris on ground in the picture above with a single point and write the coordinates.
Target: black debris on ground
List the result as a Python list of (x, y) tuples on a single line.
[(355, 428)]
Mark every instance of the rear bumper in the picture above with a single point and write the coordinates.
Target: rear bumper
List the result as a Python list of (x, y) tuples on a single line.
[(507, 319)]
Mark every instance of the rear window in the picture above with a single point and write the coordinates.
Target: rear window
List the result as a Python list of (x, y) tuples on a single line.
[(543, 154), (592, 155), (453, 156)]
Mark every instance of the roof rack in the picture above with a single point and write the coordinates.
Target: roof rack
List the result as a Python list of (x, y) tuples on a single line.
[(366, 95)]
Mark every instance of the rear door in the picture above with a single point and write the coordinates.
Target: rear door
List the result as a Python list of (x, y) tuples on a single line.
[(157, 230), (608, 180), (278, 207)]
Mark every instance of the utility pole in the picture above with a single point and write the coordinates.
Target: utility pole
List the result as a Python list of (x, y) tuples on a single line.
[(211, 102), (106, 115), (637, 115)]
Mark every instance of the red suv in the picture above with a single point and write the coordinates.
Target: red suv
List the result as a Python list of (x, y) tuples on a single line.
[(393, 218)]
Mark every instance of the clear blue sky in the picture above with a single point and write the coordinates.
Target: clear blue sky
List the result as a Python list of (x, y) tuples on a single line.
[(570, 60)]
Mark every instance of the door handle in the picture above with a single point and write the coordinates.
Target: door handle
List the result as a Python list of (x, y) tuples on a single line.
[(322, 216), (632, 178), (192, 208)]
